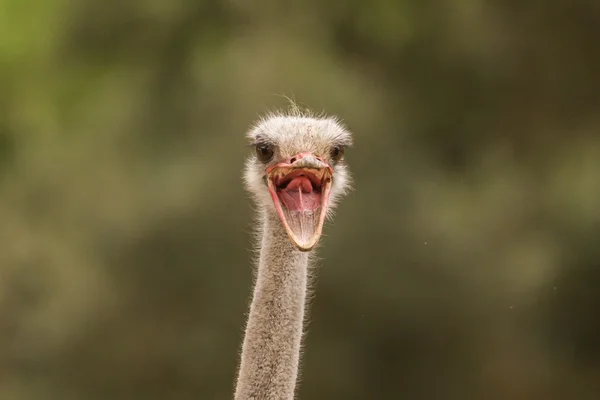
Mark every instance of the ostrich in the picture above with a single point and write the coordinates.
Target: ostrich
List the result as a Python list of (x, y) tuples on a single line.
[(296, 177)]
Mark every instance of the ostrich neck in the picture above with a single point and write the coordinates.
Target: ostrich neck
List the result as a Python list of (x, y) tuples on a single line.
[(271, 349)]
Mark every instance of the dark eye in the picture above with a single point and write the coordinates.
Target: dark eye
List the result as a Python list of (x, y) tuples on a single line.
[(336, 153), (264, 152)]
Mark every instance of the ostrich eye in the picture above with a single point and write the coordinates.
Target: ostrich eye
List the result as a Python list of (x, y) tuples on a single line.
[(264, 152), (336, 153)]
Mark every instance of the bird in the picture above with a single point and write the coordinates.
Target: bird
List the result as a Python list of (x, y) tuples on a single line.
[(296, 175)]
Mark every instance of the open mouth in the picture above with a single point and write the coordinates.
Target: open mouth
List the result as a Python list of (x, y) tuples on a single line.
[(301, 196)]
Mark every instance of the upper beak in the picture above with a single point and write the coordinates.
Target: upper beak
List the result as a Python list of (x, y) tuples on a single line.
[(302, 160)]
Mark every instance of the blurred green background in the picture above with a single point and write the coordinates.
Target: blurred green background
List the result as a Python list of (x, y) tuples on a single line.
[(463, 266)]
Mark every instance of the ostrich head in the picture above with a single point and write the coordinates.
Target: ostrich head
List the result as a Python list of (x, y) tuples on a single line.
[(297, 171)]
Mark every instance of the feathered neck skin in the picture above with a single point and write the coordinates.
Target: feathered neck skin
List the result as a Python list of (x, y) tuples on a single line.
[(271, 348)]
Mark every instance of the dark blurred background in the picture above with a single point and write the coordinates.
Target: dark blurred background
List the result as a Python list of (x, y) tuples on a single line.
[(464, 266)]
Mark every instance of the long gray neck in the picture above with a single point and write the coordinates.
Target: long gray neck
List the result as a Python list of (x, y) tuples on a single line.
[(271, 349)]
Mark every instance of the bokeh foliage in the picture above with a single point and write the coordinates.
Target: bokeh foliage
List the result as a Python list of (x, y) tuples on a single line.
[(464, 265)]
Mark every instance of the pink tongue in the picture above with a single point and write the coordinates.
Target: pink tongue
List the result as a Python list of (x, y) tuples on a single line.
[(299, 196), (300, 182)]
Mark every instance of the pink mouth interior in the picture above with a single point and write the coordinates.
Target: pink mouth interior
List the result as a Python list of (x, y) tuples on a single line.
[(299, 191), (299, 195)]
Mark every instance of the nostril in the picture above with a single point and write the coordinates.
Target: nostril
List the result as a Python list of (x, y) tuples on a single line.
[(319, 158), (293, 160)]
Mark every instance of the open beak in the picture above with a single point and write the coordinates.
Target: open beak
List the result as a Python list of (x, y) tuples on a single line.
[(300, 191)]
